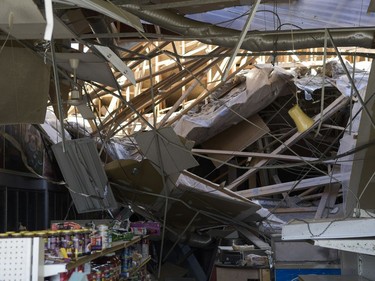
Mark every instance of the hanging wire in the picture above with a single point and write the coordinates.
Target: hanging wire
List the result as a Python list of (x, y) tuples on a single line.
[(110, 113), (6, 40), (276, 8), (252, 124), (146, 38)]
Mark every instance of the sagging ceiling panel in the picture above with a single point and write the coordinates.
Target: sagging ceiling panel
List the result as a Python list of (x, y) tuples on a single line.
[(84, 174), (24, 84), (23, 20)]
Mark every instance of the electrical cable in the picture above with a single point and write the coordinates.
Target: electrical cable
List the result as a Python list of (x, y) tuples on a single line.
[(6, 40), (290, 191), (270, 134), (110, 113), (276, 3), (355, 196)]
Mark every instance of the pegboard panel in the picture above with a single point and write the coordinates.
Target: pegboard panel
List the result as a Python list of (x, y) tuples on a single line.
[(15, 259)]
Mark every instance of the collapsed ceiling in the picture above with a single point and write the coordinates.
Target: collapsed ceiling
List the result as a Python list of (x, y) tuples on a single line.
[(192, 66)]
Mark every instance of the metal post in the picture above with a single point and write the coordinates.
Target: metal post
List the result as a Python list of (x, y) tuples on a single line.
[(46, 204), (351, 98), (166, 201), (242, 37), (58, 94), (350, 79), (324, 83)]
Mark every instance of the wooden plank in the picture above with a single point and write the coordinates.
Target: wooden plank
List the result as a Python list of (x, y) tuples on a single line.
[(309, 191), (316, 196), (335, 106), (143, 100), (255, 154), (242, 135), (327, 200), (322, 202), (206, 93), (157, 73), (286, 186), (284, 194), (294, 210), (216, 186), (97, 93), (179, 101), (253, 238), (265, 274), (263, 175)]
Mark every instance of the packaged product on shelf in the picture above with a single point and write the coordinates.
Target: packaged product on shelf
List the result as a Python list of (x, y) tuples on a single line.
[(67, 242), (51, 240), (104, 233), (106, 268), (145, 248), (96, 243), (119, 235), (78, 242), (86, 241), (145, 227), (65, 276), (68, 225), (126, 261)]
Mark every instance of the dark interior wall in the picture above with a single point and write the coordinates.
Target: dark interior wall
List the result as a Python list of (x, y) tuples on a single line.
[(28, 170), (30, 202), (34, 203), (26, 197)]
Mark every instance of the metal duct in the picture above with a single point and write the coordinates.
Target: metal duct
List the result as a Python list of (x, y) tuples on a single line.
[(256, 42)]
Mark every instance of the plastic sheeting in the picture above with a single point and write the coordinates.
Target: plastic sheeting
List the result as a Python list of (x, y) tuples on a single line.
[(260, 88), (335, 77)]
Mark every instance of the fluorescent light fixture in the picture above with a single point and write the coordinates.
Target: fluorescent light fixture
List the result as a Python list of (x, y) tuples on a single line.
[(49, 17), (117, 62), (23, 20)]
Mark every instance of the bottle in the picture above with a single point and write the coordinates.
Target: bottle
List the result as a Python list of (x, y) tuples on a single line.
[(145, 249)]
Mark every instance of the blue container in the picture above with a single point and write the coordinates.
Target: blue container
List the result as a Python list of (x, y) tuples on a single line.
[(290, 274)]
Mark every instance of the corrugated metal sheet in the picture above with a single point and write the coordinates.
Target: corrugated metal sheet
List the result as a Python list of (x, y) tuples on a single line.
[(305, 14)]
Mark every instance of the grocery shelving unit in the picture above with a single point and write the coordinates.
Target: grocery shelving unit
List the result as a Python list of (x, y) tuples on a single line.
[(118, 245), (29, 258)]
